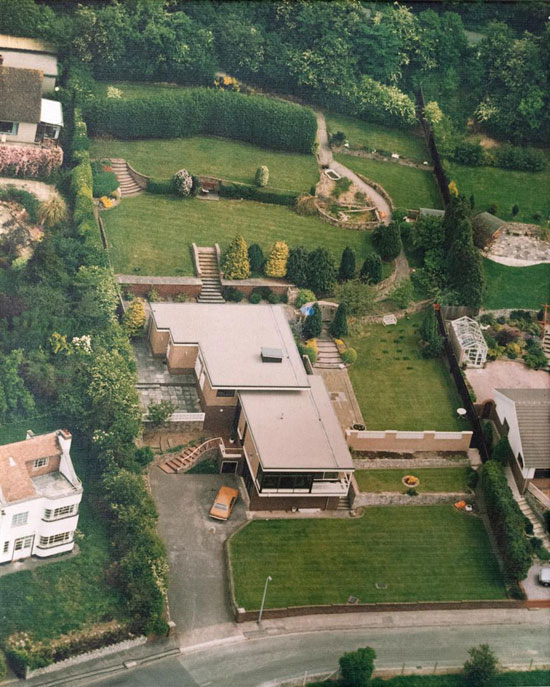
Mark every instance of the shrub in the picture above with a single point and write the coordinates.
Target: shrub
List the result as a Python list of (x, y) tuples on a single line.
[(28, 200), (341, 186), (29, 161), (235, 263), (468, 153), (52, 211), (338, 139), (276, 263), (273, 298), (255, 257), (502, 452), (339, 325), (371, 270), (3, 666), (313, 324), (158, 414), (305, 205), (515, 157), (261, 177), (196, 186), (356, 667), (387, 241), (264, 121), (304, 296), (232, 294), (321, 272), (402, 294), (249, 192), (472, 478), (356, 296), (160, 186), (133, 319), (347, 265), (255, 297), (183, 182), (297, 266), (264, 291), (104, 182), (481, 667), (310, 351), (429, 332), (349, 356)]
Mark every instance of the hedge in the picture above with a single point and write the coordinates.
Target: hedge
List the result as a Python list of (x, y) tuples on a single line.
[(249, 192), (160, 186), (256, 119), (507, 521)]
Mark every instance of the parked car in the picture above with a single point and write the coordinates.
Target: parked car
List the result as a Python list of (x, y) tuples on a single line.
[(544, 575), (225, 499)]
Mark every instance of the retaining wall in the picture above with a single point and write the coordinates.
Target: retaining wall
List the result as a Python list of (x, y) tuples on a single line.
[(141, 179), (246, 286), (408, 442), (166, 287), (381, 190), (397, 499)]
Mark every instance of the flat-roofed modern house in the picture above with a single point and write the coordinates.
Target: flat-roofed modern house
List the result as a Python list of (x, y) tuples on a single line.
[(31, 53), (525, 414), (39, 497), (25, 116), (255, 392)]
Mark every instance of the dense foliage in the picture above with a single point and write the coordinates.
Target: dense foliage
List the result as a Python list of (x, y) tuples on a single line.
[(347, 264), (356, 667), (275, 265), (235, 264), (256, 119), (261, 195), (339, 325), (313, 323)]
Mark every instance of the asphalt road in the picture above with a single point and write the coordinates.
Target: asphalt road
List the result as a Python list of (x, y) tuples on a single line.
[(260, 662)]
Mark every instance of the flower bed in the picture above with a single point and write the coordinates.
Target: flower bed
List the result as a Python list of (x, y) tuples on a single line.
[(410, 481), (27, 161)]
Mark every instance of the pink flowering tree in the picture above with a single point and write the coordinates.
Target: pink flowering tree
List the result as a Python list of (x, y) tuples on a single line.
[(29, 161)]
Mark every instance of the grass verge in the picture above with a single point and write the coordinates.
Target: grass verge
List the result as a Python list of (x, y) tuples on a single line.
[(431, 479), (532, 678), (516, 287), (153, 234), (408, 187), (396, 387), (433, 553)]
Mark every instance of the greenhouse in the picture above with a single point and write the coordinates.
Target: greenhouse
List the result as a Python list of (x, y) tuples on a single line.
[(468, 342)]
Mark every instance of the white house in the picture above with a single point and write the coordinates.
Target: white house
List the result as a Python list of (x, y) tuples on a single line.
[(39, 497), (526, 415), (31, 53)]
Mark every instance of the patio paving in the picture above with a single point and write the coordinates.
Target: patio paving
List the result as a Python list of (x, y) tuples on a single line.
[(518, 245), (505, 374)]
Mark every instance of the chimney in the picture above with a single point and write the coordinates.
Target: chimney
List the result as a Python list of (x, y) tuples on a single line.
[(30, 433), (64, 437)]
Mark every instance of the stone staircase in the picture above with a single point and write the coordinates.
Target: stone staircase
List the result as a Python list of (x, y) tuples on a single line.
[(546, 345), (344, 502), (328, 356), (538, 529), (211, 290), (128, 186)]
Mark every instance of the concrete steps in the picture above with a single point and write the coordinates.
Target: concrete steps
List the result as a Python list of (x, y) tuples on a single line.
[(128, 186), (344, 503), (546, 345), (538, 529), (211, 291), (328, 356)]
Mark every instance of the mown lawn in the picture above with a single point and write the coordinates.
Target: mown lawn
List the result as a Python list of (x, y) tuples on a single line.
[(406, 142), (61, 596), (431, 479), (408, 187), (396, 387), (505, 188), (153, 234), (137, 89), (208, 155), (516, 287), (433, 553)]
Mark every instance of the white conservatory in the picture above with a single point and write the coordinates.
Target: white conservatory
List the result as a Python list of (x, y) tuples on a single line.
[(468, 342)]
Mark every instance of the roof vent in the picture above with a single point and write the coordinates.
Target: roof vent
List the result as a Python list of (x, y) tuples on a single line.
[(272, 355), (12, 462)]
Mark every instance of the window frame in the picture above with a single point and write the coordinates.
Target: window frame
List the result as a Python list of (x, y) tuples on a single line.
[(225, 393), (40, 462), (20, 519), (14, 128)]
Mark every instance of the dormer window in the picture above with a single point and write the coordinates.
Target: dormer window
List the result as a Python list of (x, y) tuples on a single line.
[(40, 463)]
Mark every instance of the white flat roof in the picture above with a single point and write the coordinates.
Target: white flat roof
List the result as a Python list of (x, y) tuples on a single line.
[(51, 112), (296, 430), (231, 338)]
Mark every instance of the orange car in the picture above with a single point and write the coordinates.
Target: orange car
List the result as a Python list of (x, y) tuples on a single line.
[(223, 503)]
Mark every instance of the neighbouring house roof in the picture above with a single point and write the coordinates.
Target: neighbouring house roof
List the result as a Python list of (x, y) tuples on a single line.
[(17, 481), (296, 430), (486, 219), (231, 338), (27, 44), (20, 95), (533, 416), (51, 112)]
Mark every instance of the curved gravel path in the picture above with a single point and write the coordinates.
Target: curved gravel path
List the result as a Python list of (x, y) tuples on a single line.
[(325, 157), (40, 189)]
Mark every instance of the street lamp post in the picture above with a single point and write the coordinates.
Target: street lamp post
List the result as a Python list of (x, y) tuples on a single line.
[(268, 579)]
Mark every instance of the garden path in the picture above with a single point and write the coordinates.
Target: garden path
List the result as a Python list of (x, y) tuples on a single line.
[(41, 190), (376, 156), (325, 157), (402, 271)]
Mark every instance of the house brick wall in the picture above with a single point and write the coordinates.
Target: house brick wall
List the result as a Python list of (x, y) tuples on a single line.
[(289, 502), (182, 358), (398, 442), (158, 340)]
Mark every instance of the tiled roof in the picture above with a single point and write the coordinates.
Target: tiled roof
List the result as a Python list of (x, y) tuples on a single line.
[(533, 414), (15, 476), (20, 95)]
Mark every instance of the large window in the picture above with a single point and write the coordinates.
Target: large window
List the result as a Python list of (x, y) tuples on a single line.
[(62, 512), (19, 519), (285, 481), (225, 393), (9, 128), (55, 539), (23, 543), (41, 462)]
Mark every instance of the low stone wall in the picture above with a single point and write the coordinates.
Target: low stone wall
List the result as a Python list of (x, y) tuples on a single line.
[(89, 656), (408, 442), (246, 286), (141, 179), (353, 226), (381, 190), (396, 499), (414, 462), (166, 287)]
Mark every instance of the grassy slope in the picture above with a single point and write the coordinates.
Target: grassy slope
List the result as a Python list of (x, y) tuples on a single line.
[(154, 233), (407, 143), (431, 479), (530, 190), (430, 553), (516, 287), (396, 387), (217, 157), (409, 187), (535, 678)]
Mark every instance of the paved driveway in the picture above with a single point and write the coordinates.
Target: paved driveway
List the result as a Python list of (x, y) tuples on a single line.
[(198, 586), (505, 374)]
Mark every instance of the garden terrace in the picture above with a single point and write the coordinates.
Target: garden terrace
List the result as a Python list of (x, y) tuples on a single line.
[(516, 287), (218, 157), (152, 234), (505, 188), (433, 553), (431, 479), (408, 143), (396, 387), (408, 187)]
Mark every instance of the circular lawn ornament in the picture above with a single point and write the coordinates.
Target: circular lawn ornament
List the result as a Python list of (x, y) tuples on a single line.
[(410, 481)]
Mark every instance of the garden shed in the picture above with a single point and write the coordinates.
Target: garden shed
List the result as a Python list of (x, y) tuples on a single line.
[(468, 342)]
